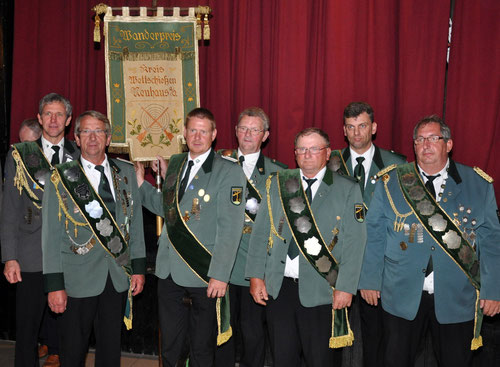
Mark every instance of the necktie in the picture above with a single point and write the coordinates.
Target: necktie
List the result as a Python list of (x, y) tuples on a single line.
[(55, 156), (430, 187), (104, 191), (241, 160), (359, 173), (184, 182), (293, 250)]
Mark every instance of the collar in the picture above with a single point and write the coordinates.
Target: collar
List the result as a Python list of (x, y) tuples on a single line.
[(368, 155), (201, 158), (319, 176), (207, 166), (47, 144), (253, 160), (90, 166), (443, 173)]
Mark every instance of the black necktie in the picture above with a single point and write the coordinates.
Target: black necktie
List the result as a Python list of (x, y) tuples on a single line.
[(429, 185), (184, 182), (55, 156), (359, 173), (293, 250), (241, 160), (104, 191)]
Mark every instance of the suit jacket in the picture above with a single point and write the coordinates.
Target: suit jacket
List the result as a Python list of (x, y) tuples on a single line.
[(263, 168), (381, 159), (21, 220), (398, 271), (86, 275), (219, 225), (333, 207)]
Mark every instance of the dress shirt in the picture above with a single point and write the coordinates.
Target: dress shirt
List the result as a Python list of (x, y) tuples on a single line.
[(439, 183), (249, 162), (367, 163), (94, 175), (197, 163), (49, 152), (292, 266)]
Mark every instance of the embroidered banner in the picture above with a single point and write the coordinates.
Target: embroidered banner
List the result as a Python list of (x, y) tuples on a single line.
[(151, 80)]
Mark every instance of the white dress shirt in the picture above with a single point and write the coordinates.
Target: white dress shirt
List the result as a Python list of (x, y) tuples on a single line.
[(94, 175), (197, 163), (439, 183), (292, 266), (367, 163), (49, 152), (249, 162)]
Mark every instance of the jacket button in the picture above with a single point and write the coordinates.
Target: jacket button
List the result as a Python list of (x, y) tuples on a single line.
[(433, 248), (424, 270)]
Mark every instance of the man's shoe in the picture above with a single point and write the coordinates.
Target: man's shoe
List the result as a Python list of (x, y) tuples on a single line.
[(43, 350), (52, 361)]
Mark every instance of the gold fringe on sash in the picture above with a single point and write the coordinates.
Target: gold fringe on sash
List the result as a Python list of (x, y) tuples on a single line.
[(127, 318), (20, 180), (341, 340), (222, 337), (477, 342)]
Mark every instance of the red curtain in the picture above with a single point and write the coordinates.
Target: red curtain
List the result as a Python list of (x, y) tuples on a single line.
[(302, 61), (473, 97)]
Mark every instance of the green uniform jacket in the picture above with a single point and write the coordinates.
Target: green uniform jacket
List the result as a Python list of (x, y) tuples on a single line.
[(263, 168), (333, 207), (381, 159), (218, 227), (85, 275)]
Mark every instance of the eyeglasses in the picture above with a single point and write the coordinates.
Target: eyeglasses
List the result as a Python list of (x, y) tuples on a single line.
[(252, 131), (87, 132), (312, 150), (431, 139), (58, 115)]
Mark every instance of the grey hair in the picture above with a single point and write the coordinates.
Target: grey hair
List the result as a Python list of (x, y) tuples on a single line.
[(54, 97), (256, 112), (95, 114), (445, 130)]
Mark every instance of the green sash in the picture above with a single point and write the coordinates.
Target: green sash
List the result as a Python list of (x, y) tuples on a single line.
[(30, 161), (189, 248), (444, 231), (337, 162), (97, 216), (308, 238)]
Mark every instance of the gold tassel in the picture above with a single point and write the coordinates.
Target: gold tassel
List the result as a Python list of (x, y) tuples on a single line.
[(476, 343), (343, 340), (198, 27), (128, 320), (206, 29), (99, 9)]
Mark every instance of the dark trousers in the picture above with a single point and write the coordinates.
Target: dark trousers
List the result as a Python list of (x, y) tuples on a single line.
[(371, 333), (105, 313), (295, 329), (402, 338), (48, 331), (30, 305), (177, 321), (247, 321)]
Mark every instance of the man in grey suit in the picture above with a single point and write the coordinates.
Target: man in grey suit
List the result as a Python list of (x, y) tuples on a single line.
[(432, 255), (93, 245), (305, 255), (363, 160), (203, 203), (248, 317), (26, 174)]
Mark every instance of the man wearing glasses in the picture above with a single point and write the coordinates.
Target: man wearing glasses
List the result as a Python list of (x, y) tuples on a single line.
[(304, 255), (248, 317), (363, 160), (94, 257), (429, 224), (26, 174)]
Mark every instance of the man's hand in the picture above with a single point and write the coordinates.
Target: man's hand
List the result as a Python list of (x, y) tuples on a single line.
[(12, 271), (258, 291), (490, 307), (216, 288), (57, 301), (139, 173), (163, 166), (137, 283), (370, 296), (341, 299)]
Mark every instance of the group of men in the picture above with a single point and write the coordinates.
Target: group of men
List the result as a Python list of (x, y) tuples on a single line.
[(260, 250)]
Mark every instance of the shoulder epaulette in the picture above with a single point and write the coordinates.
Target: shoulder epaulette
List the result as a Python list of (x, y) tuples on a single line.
[(386, 169), (278, 163), (226, 152), (402, 156), (483, 174), (229, 158)]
